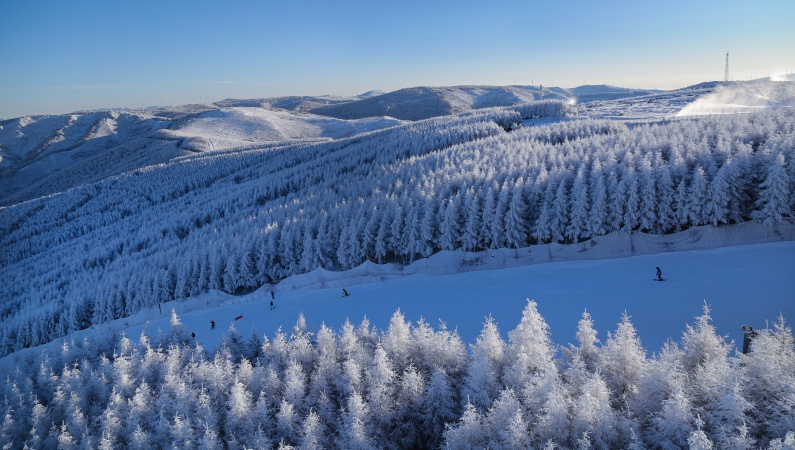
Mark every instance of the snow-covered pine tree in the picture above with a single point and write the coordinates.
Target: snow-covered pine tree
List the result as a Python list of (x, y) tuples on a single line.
[(697, 198), (769, 371), (440, 407), (450, 224), (775, 196), (471, 238), (666, 216), (354, 432), (621, 361), (483, 373), (559, 218), (515, 222), (467, 433), (597, 213), (649, 195), (542, 231), (579, 216)]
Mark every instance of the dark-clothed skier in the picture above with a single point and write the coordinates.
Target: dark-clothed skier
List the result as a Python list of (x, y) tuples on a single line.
[(659, 274), (344, 292), (212, 324)]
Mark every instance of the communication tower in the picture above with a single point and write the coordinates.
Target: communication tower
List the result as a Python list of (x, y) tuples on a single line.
[(726, 75)]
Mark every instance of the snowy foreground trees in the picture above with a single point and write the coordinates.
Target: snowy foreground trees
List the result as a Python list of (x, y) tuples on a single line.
[(410, 386)]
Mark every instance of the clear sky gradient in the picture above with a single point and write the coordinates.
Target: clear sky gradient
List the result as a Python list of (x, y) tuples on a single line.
[(60, 56)]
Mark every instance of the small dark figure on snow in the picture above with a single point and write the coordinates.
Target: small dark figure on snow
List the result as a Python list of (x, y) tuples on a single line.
[(212, 324), (344, 292), (272, 304), (273, 297), (659, 274), (193, 335)]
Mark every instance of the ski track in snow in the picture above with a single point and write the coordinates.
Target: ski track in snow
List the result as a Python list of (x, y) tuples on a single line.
[(744, 285)]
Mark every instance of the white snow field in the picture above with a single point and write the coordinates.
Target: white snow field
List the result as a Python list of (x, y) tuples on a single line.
[(244, 126), (743, 285)]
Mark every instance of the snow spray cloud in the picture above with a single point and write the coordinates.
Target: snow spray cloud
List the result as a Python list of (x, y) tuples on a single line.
[(743, 98)]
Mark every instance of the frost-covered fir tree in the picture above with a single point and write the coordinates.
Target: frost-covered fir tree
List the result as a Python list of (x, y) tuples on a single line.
[(621, 361), (467, 433), (769, 371), (697, 193), (483, 374), (775, 196), (597, 220), (515, 228), (578, 220)]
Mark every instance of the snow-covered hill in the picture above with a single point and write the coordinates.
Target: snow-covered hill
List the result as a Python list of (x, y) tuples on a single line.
[(290, 103), (42, 155), (425, 102), (251, 127), (209, 209)]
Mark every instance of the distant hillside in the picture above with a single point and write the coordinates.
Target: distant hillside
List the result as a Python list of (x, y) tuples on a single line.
[(425, 102), (42, 155), (588, 93), (291, 103)]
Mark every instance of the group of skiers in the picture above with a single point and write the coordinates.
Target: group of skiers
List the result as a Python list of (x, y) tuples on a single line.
[(345, 294), (273, 297)]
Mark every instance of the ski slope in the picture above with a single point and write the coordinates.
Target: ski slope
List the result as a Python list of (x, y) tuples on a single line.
[(744, 285)]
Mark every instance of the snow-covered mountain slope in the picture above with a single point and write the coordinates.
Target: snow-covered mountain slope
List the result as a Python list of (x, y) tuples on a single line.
[(246, 126), (425, 102), (289, 103), (588, 93), (42, 155), (463, 289), (237, 220)]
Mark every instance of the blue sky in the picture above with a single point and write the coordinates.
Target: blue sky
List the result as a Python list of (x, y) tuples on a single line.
[(61, 56)]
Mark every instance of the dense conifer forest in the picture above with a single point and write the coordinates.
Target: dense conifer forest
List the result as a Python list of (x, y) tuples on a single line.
[(409, 386), (236, 219)]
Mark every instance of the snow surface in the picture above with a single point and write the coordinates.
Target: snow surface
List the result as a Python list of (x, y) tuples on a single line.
[(743, 284), (239, 126)]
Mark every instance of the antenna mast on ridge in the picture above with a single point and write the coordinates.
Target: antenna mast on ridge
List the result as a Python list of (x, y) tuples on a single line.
[(726, 75)]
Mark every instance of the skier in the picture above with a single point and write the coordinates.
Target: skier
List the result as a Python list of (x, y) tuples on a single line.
[(193, 335), (344, 292), (659, 274), (212, 324), (272, 304), (273, 297)]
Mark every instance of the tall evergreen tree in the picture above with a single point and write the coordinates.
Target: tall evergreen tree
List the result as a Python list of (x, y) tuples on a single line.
[(775, 196)]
